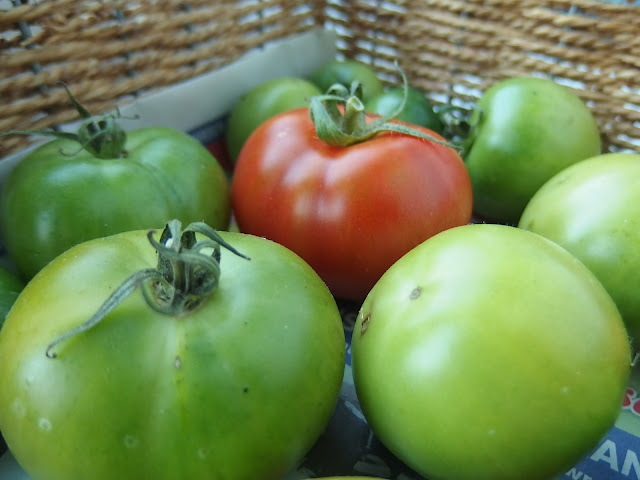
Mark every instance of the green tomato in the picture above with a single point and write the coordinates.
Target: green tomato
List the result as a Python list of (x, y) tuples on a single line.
[(526, 129), (10, 287), (263, 102), (592, 209), (238, 387), (345, 72), (418, 109), (489, 352), (61, 195)]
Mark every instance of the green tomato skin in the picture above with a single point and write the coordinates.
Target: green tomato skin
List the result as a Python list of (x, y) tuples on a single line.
[(592, 209), (263, 102), (490, 353), (238, 389), (527, 129), (10, 287), (60, 195), (418, 110), (345, 72)]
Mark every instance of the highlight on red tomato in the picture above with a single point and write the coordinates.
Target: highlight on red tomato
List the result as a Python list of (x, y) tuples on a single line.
[(592, 209), (347, 193), (219, 356), (489, 352)]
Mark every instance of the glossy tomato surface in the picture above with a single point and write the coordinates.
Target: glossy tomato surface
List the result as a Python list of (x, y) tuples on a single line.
[(240, 388), (592, 209), (350, 212), (489, 352), (526, 129), (61, 195)]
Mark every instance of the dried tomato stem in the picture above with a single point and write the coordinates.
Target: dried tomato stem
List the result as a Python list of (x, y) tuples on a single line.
[(348, 125), (187, 273), (100, 135)]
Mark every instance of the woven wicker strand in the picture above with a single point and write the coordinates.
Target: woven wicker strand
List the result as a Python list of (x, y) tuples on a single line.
[(109, 52)]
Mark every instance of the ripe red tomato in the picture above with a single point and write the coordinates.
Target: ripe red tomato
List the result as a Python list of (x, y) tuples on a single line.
[(352, 211)]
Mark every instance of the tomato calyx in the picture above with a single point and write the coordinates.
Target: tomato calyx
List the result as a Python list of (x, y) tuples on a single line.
[(340, 118), (458, 126), (100, 135), (187, 274)]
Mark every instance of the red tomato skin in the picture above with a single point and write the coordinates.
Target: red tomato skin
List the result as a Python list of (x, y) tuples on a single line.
[(350, 212)]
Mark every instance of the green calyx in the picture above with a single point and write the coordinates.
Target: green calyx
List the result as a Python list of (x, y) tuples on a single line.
[(100, 135), (187, 274), (341, 127), (460, 126)]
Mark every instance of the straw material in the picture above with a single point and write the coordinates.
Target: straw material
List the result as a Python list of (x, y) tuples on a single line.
[(109, 51)]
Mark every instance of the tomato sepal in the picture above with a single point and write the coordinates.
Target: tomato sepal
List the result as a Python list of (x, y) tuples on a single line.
[(184, 277), (340, 117), (100, 135)]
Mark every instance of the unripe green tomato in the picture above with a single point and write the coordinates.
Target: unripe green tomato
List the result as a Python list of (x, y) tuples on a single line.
[(239, 387), (592, 209), (345, 72), (263, 102), (526, 129), (61, 195), (490, 353), (418, 109)]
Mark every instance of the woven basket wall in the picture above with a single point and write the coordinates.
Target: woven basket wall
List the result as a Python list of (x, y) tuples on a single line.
[(108, 51)]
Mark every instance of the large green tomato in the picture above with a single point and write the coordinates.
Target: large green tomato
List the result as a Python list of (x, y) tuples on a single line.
[(592, 209), (490, 353), (238, 386), (263, 102), (61, 195), (526, 129)]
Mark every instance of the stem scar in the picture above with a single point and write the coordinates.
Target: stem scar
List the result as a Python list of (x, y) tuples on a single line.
[(365, 323)]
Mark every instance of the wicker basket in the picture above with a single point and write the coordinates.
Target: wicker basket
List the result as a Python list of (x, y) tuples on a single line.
[(109, 51)]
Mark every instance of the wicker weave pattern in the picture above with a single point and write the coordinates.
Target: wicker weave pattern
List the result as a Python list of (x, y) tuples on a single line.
[(108, 51)]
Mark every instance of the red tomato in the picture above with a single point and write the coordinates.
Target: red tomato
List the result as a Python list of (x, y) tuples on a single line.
[(350, 212)]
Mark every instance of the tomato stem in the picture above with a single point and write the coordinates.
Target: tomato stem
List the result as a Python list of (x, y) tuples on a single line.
[(187, 273), (348, 125), (100, 135)]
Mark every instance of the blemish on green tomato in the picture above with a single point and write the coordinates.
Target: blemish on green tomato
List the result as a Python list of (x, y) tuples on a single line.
[(415, 293), (365, 324)]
